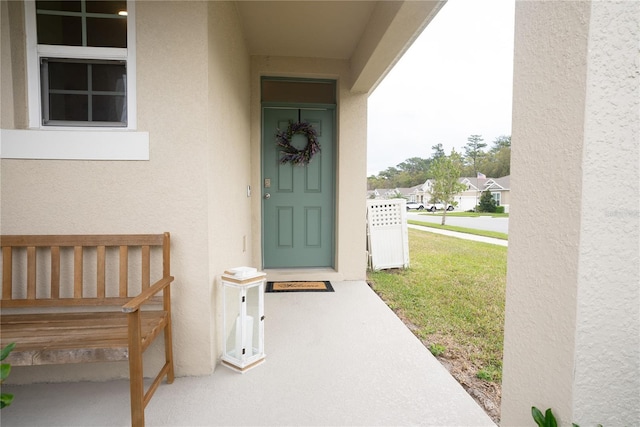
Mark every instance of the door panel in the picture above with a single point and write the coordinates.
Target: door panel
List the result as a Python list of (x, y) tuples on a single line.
[(298, 216)]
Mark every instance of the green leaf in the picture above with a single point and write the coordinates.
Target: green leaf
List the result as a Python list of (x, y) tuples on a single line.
[(5, 399), (538, 417), (551, 419), (5, 368), (5, 351)]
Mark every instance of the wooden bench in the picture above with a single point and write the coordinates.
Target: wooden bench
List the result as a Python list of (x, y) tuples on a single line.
[(70, 299)]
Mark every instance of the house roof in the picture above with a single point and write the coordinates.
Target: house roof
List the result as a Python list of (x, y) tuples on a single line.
[(371, 35), (405, 192), (503, 183), (482, 184)]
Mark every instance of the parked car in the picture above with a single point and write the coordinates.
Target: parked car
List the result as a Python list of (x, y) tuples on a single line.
[(415, 205), (432, 207)]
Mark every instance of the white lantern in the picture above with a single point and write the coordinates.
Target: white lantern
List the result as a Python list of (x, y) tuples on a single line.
[(243, 321)]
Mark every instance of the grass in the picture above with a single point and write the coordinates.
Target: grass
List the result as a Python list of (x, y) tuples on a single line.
[(453, 297), (486, 233)]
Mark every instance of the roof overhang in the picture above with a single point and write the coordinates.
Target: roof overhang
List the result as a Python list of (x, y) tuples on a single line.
[(371, 35)]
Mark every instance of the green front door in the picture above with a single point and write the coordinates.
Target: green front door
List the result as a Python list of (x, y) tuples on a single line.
[(298, 200)]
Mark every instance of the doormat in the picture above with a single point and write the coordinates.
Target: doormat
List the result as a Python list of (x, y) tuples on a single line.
[(324, 286)]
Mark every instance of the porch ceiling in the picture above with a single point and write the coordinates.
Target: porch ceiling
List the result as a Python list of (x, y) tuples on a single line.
[(372, 35), (326, 29)]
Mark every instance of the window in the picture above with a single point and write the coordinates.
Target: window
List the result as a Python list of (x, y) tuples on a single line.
[(81, 83), (496, 197), (81, 63), (83, 92)]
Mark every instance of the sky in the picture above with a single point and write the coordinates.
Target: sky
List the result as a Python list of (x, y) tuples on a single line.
[(453, 82)]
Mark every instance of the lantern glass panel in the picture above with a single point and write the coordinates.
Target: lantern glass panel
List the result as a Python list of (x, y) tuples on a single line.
[(233, 301), (253, 312)]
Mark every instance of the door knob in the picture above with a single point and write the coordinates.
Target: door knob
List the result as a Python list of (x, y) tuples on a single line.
[(267, 195)]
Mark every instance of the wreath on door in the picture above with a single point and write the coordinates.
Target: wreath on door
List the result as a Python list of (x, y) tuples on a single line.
[(291, 154)]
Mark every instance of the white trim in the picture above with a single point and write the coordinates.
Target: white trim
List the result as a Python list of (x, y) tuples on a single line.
[(51, 51), (132, 100), (33, 72), (73, 145)]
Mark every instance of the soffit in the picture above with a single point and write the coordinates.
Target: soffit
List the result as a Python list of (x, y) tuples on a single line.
[(314, 29)]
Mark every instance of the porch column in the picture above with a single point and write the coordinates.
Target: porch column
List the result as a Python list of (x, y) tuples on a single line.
[(572, 332)]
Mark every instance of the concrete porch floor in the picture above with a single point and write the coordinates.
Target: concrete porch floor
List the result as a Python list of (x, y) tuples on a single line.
[(333, 359)]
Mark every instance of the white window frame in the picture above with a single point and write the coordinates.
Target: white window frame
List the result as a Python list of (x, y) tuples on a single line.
[(75, 142)]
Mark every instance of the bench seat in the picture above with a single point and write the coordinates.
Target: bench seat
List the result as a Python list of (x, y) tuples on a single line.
[(55, 338)]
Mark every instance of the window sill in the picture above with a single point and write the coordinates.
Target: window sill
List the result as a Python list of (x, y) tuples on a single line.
[(74, 144)]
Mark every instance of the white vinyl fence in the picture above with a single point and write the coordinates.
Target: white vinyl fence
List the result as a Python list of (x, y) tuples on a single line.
[(387, 234)]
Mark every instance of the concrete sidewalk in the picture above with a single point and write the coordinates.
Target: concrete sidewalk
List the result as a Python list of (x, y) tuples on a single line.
[(465, 236)]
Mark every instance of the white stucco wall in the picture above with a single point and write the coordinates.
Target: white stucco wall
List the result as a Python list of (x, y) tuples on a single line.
[(229, 153), (573, 281), (350, 168), (607, 360), (193, 100)]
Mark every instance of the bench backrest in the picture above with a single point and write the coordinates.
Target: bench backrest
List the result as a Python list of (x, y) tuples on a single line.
[(79, 270)]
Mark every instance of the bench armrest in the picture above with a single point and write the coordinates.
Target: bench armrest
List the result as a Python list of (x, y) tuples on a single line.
[(135, 303)]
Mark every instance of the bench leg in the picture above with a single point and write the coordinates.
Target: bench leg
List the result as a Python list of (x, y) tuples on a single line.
[(135, 370), (168, 341)]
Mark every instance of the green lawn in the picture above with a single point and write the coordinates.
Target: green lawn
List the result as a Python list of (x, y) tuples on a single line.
[(452, 297)]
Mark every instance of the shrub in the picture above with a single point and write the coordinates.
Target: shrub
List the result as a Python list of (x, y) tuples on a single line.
[(5, 368), (499, 209), (487, 202)]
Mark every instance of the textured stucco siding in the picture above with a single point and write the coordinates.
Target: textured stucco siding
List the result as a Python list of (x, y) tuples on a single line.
[(607, 364), (571, 330), (549, 85), (193, 100), (229, 154)]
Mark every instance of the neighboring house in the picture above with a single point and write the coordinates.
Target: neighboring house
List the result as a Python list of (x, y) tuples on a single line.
[(405, 193), (387, 193), (392, 193), (468, 199), (411, 194), (416, 194), (188, 98)]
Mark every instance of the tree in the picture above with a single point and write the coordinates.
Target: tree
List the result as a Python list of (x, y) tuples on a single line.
[(414, 165), (389, 173), (502, 141), (473, 151), (445, 172), (498, 164), (487, 202), (438, 151)]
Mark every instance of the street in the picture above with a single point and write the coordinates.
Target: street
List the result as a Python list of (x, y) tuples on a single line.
[(500, 225)]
